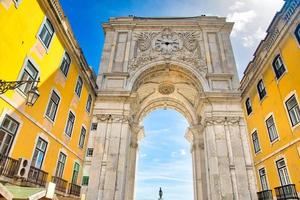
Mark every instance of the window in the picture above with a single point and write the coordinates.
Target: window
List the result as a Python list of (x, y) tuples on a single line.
[(52, 105), (75, 173), (89, 103), (70, 124), (17, 2), (8, 130), (263, 179), (89, 152), (261, 89), (293, 110), (271, 129), (255, 142), (30, 73), (282, 172), (46, 33), (78, 87), (297, 33), (39, 153), (82, 137), (278, 66), (60, 165), (85, 180), (94, 126), (65, 64), (248, 106)]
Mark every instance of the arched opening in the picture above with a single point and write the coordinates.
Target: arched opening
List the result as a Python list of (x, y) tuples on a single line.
[(164, 158)]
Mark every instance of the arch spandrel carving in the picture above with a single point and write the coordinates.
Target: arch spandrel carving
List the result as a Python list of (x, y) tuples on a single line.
[(168, 45)]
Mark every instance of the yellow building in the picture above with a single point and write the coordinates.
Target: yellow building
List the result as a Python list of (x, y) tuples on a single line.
[(271, 97), (37, 43)]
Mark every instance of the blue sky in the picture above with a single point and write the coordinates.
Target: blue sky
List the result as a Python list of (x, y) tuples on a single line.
[(164, 159)]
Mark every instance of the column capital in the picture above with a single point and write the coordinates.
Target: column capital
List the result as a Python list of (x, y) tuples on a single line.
[(137, 133), (194, 135)]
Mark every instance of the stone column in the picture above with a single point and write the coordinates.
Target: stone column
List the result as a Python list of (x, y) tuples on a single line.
[(136, 134), (108, 169), (98, 165), (195, 136)]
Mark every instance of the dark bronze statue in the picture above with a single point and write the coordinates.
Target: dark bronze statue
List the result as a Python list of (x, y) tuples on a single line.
[(160, 193)]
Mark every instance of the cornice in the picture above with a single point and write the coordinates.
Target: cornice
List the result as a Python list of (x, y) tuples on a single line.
[(184, 23)]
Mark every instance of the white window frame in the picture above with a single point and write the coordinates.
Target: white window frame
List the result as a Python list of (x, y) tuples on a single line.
[(256, 152), (39, 31), (17, 3), (62, 60), (275, 124), (264, 88), (69, 136), (85, 136), (260, 180), (24, 66), (12, 142), (248, 98), (49, 99), (286, 109), (287, 170), (79, 95), (276, 55), (45, 152), (64, 152), (91, 103)]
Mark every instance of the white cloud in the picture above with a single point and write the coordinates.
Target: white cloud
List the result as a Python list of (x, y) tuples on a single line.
[(237, 5), (143, 155), (156, 131), (241, 19), (254, 39), (182, 152)]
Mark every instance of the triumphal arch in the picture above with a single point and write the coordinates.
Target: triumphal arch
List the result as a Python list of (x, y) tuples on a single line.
[(186, 64)]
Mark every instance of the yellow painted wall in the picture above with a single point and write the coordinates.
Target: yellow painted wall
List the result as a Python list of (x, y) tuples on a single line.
[(19, 29), (277, 91)]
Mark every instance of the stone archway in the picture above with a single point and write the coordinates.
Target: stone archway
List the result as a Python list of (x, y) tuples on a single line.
[(190, 67)]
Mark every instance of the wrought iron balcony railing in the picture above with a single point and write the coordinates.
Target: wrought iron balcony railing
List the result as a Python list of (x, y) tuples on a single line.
[(8, 166), (74, 189), (265, 195), (61, 184), (37, 176), (286, 192)]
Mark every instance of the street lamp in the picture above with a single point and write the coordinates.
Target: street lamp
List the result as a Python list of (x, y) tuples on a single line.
[(32, 95)]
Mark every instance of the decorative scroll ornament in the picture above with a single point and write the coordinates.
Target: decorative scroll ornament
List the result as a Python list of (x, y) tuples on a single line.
[(189, 40), (166, 88), (178, 46), (144, 40)]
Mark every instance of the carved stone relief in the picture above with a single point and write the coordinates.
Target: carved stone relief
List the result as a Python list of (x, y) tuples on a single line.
[(168, 45)]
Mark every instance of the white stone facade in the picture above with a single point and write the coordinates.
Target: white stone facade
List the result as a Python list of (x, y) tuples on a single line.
[(182, 63)]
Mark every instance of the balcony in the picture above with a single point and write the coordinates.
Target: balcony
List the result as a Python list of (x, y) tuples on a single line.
[(37, 176), (61, 184), (265, 195), (74, 189), (8, 166), (286, 192)]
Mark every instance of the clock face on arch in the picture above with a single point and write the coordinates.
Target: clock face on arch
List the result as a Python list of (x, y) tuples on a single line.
[(167, 44)]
